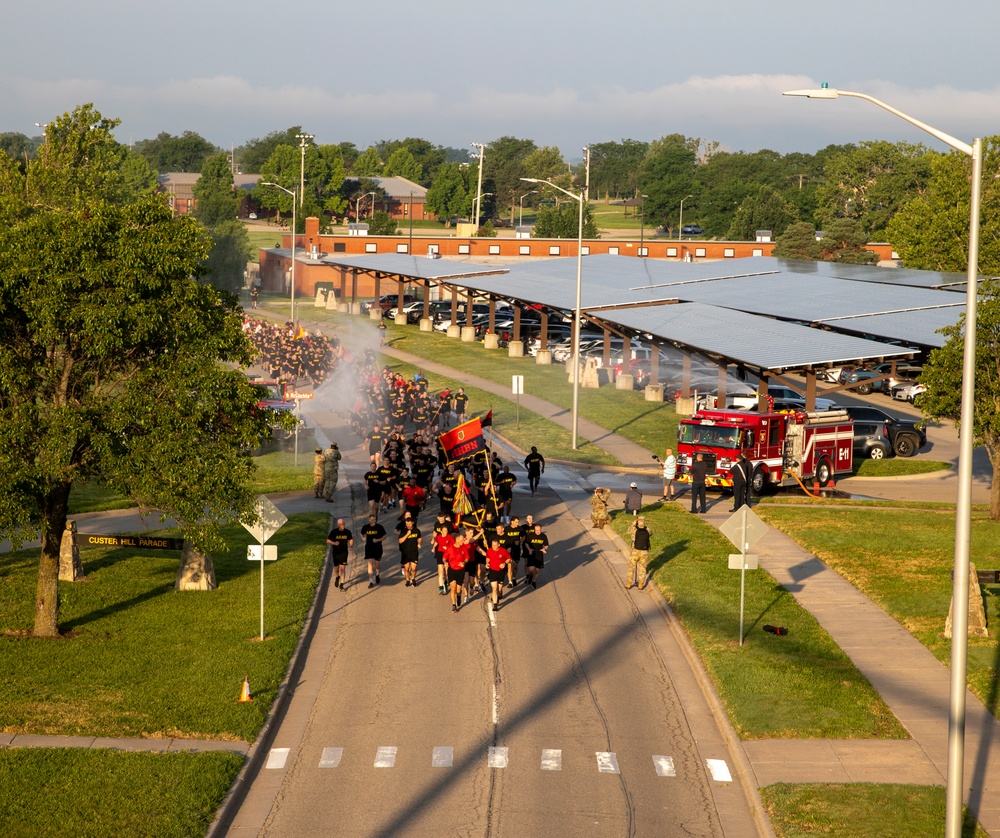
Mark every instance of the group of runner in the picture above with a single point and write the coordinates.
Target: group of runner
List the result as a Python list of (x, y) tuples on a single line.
[(477, 542), (290, 353)]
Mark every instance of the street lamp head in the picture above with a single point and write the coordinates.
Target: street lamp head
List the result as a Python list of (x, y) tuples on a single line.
[(817, 93), (532, 180)]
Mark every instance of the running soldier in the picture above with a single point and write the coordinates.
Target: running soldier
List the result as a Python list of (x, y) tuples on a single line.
[(409, 551), (374, 534), (535, 464), (341, 542), (537, 544), (496, 561)]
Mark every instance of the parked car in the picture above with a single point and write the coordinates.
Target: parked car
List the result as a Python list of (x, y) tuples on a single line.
[(908, 391), (905, 438), (386, 302), (871, 440), (691, 230), (782, 393), (865, 381)]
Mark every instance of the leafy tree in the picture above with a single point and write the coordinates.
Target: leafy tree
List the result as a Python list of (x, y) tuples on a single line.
[(329, 190), (666, 177), (614, 167), (382, 224), (932, 231), (452, 192), (166, 153), (844, 241), (116, 364), (503, 168), (138, 177), (214, 192), (18, 147), (217, 208), (402, 163), (563, 222), (427, 156), (369, 164), (765, 210), (348, 153), (798, 242), (253, 154), (944, 379), (871, 182)]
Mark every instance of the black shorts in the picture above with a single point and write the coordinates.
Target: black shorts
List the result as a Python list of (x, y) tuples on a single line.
[(339, 559), (535, 560), (374, 552), (497, 575), (413, 510), (438, 557), (456, 576), (405, 558), (375, 492)]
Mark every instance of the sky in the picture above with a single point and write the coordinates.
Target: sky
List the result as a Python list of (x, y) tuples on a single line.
[(560, 73)]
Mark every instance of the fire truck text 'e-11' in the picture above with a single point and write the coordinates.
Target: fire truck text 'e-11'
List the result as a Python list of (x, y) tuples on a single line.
[(780, 446)]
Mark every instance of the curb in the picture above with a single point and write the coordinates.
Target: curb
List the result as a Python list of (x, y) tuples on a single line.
[(260, 747), (733, 743)]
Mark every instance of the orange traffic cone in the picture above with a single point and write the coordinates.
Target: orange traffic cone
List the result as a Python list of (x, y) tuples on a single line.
[(816, 486), (832, 484), (245, 692)]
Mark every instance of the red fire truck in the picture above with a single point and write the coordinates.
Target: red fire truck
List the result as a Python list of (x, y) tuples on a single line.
[(812, 447)]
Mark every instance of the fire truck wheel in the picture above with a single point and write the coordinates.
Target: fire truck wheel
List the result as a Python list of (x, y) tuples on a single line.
[(759, 483), (823, 473)]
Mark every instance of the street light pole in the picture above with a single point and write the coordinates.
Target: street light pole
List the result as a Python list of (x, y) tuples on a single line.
[(680, 221), (963, 506), (520, 214), (303, 142), (292, 193), (642, 223), (577, 314), (479, 185)]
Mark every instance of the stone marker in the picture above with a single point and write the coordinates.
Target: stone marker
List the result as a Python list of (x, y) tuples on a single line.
[(196, 573), (977, 613), (70, 566)]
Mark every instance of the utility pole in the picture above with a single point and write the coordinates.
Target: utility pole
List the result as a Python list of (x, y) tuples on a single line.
[(303, 142), (479, 186)]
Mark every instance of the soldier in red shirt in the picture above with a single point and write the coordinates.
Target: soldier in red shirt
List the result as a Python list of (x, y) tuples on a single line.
[(496, 560), (455, 556)]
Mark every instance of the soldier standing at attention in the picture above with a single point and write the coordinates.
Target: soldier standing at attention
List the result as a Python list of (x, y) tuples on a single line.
[(331, 471), (639, 538), (319, 472)]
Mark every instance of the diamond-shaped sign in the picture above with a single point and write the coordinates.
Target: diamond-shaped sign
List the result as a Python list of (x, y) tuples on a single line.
[(270, 519), (744, 528)]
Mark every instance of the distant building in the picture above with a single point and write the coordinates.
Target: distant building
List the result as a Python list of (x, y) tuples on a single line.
[(179, 188), (399, 194)]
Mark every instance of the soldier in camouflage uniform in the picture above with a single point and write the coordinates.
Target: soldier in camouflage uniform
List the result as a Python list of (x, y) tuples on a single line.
[(319, 472), (599, 501), (331, 471), (639, 536)]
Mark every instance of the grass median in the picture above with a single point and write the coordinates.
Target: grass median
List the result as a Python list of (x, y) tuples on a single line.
[(139, 659), (861, 810), (798, 686), (60, 792)]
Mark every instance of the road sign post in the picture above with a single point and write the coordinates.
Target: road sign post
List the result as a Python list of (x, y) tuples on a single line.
[(517, 388), (743, 528), (269, 519)]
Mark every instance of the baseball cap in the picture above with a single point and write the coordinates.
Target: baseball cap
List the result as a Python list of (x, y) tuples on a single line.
[(632, 486)]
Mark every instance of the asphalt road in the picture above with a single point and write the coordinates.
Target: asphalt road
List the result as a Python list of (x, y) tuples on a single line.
[(553, 716)]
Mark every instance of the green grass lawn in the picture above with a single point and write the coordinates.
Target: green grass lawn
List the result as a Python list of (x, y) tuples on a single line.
[(52, 793), (797, 686), (860, 810), (902, 560), (140, 659)]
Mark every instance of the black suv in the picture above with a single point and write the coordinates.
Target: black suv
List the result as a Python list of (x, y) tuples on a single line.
[(906, 437)]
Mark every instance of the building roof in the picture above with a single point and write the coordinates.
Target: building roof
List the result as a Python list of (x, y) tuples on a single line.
[(398, 188)]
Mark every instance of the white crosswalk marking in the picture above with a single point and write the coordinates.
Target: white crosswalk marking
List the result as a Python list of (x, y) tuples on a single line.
[(664, 766), (276, 758), (385, 756), (551, 759), (331, 757), (719, 770), (443, 756), (607, 762), (497, 758)]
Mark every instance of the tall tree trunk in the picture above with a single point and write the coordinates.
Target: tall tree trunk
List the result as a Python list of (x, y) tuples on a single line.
[(47, 595)]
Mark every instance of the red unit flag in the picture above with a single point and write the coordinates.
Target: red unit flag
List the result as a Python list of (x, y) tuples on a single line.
[(464, 441)]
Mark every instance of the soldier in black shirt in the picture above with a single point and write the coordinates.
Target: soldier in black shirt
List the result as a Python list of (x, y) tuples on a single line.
[(505, 488), (374, 534), (535, 464), (373, 487), (376, 440), (409, 551), (537, 544), (341, 542)]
